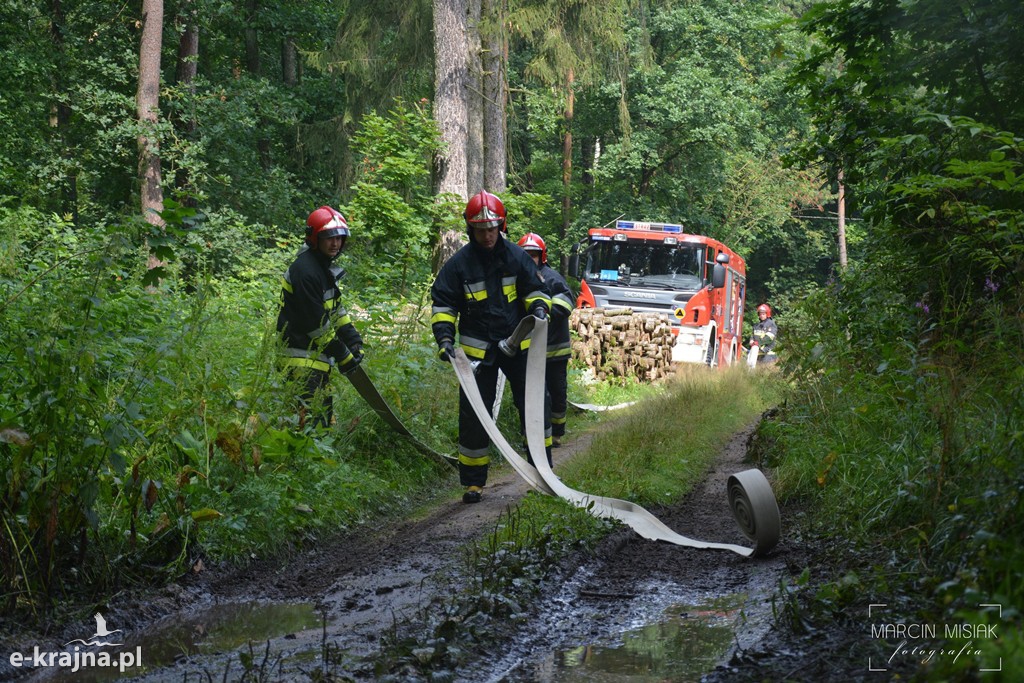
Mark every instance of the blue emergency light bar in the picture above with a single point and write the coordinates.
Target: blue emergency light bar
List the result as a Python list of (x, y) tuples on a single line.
[(657, 227)]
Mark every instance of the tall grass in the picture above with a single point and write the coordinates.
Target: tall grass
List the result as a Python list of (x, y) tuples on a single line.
[(658, 449)]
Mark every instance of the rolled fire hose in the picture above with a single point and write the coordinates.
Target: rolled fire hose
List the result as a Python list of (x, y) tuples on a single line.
[(750, 496), (365, 387)]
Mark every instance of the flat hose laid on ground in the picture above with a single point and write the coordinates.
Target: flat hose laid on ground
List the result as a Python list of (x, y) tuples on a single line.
[(365, 387), (590, 407), (750, 496)]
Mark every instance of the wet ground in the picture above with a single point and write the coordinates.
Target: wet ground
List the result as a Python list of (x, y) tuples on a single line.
[(633, 610)]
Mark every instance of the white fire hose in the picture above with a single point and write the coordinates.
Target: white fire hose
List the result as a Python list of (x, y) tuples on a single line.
[(750, 495)]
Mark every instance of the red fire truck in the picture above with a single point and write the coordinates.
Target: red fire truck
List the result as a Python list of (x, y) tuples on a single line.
[(656, 267)]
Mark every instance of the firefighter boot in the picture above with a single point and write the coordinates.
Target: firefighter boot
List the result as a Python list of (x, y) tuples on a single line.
[(472, 494)]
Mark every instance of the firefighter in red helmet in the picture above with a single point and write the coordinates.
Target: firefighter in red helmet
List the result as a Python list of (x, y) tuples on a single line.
[(765, 334), (482, 292), (317, 331), (559, 348)]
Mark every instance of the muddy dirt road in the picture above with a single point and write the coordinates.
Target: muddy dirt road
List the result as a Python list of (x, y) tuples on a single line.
[(648, 610)]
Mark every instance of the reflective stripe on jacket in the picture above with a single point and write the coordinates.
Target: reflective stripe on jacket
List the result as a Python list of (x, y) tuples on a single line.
[(765, 333), (486, 293), (561, 306), (315, 327)]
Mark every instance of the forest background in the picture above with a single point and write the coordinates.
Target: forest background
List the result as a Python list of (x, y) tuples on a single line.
[(157, 161)]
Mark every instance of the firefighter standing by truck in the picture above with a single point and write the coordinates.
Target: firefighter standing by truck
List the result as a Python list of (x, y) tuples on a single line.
[(559, 348), (488, 286), (317, 331), (765, 334)]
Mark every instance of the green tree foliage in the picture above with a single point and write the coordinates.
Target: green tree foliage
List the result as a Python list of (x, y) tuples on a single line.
[(392, 209), (709, 119), (573, 44), (915, 95)]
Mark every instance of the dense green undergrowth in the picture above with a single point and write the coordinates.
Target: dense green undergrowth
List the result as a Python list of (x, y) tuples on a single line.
[(905, 445), (145, 428)]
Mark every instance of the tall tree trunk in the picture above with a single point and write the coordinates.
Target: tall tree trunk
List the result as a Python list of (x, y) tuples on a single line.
[(289, 62), (523, 143), (60, 112), (474, 102), (147, 100), (252, 65), (841, 236), (588, 149), (570, 101), (495, 57), (185, 73), (450, 53), (252, 39)]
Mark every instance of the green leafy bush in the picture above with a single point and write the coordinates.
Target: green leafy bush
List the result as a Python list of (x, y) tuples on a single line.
[(143, 427)]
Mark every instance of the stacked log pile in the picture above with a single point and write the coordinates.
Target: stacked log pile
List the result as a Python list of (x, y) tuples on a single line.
[(616, 342)]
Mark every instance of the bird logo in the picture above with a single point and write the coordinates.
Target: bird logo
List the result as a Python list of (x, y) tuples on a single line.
[(101, 632)]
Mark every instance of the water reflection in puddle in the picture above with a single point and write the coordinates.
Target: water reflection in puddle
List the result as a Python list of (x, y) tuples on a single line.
[(224, 627), (688, 642)]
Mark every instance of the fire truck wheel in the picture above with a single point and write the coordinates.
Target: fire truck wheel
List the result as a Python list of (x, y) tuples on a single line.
[(712, 357), (753, 505)]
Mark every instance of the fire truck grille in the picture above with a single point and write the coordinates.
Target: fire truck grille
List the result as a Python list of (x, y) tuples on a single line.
[(653, 306)]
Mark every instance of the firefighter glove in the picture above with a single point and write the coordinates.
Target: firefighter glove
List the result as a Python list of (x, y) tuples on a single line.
[(540, 313), (445, 350)]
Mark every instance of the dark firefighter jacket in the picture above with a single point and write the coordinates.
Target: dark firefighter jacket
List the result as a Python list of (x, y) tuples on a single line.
[(488, 292), (314, 325), (765, 332), (562, 303)]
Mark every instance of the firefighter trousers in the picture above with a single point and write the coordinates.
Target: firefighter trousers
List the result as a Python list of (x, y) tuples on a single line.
[(316, 404), (474, 444), (558, 385)]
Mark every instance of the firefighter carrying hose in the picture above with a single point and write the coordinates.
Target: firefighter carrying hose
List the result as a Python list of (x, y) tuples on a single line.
[(765, 334), (559, 342), (487, 286), (317, 331)]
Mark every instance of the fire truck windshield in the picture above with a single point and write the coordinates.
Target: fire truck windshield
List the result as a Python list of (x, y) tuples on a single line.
[(646, 263)]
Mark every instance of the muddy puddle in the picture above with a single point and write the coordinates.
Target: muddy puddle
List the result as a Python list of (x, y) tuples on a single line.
[(225, 627), (685, 643), (216, 629), (655, 631)]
